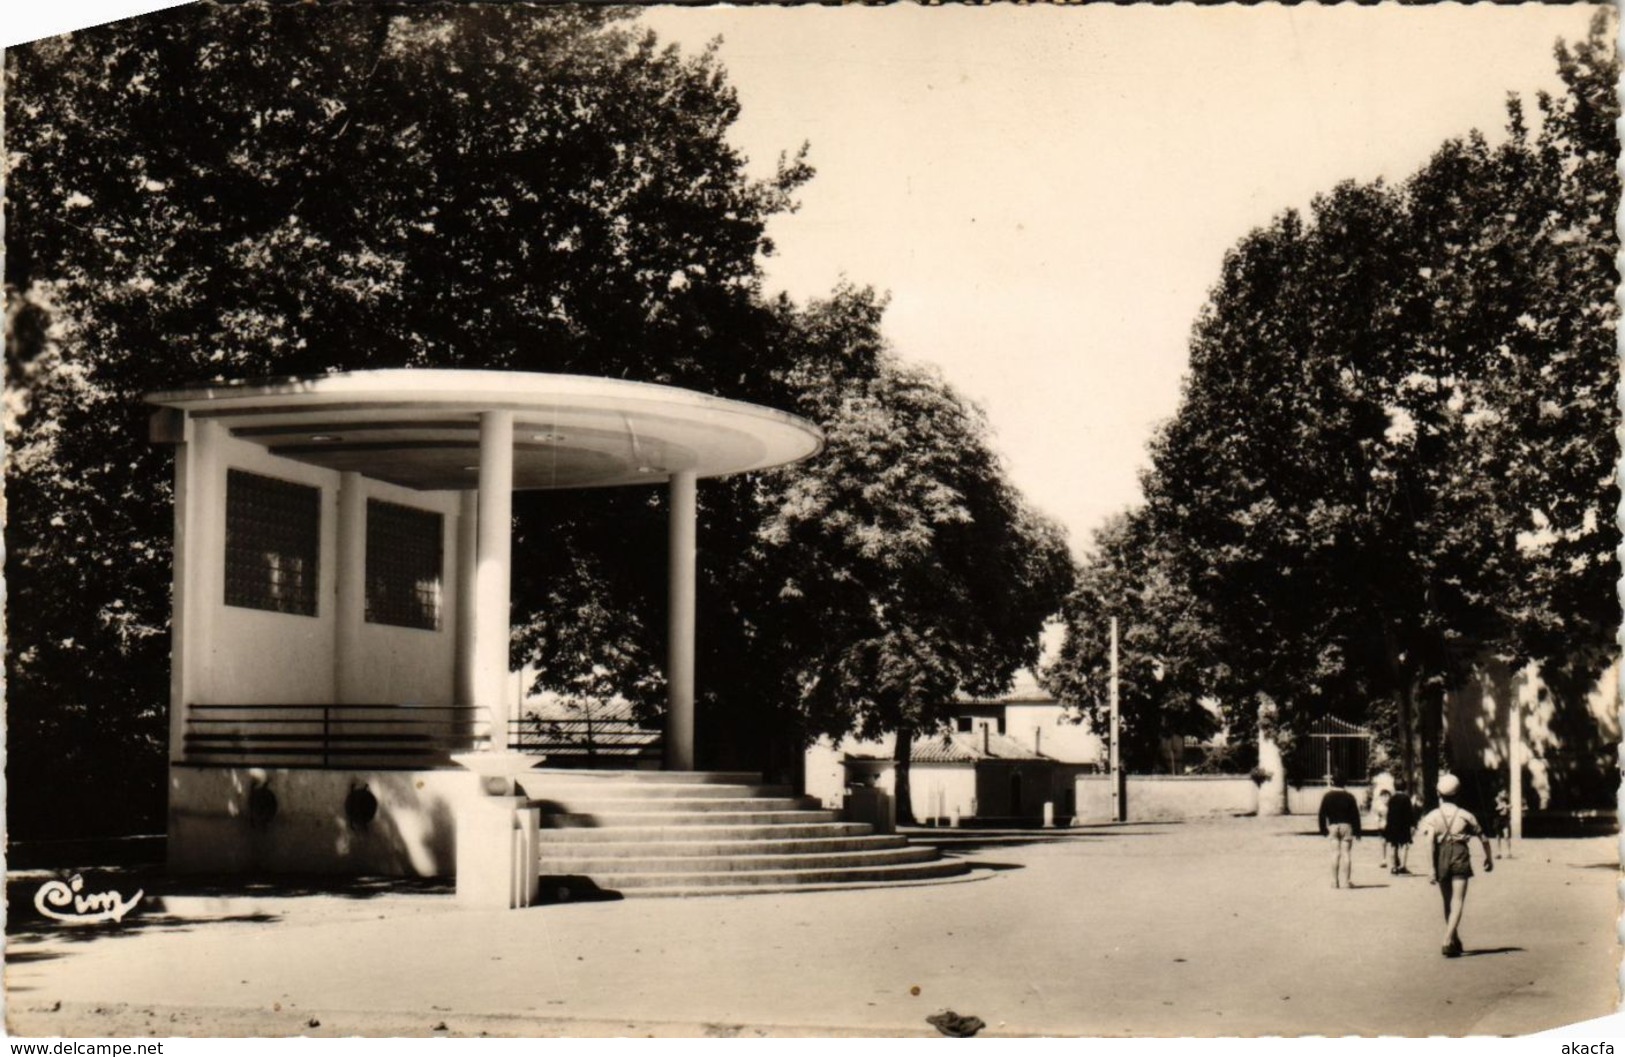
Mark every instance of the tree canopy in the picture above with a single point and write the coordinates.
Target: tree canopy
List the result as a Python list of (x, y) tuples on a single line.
[(1393, 458), (239, 191), (926, 573), (1168, 657)]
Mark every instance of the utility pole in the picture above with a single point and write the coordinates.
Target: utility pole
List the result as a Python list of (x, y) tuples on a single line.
[(1515, 760), (1119, 787)]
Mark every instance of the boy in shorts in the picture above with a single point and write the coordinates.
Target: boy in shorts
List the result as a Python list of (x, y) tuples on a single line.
[(1451, 829), (1340, 820), (1503, 824)]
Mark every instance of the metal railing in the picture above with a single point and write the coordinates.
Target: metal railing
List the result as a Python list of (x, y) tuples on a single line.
[(332, 735), (584, 741)]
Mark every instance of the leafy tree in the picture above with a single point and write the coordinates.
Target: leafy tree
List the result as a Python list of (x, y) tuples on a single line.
[(1261, 485), (899, 568), (1557, 393), (861, 590), (1167, 660), (1391, 459), (220, 192), (238, 191)]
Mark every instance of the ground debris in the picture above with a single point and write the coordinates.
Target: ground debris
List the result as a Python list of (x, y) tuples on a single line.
[(955, 1026)]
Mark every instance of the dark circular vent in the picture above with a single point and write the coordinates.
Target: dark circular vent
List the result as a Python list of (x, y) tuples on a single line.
[(261, 806), (360, 807)]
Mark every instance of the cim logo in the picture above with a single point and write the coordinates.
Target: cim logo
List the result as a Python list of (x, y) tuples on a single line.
[(64, 901)]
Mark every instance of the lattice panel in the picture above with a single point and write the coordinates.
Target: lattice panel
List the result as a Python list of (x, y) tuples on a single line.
[(273, 539), (403, 565)]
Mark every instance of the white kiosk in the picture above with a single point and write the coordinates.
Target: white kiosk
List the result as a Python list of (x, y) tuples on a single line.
[(341, 592)]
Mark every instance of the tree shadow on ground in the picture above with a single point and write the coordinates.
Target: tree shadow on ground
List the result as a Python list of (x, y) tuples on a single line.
[(1475, 952), (25, 923), (157, 882), (43, 930), (967, 841), (144, 850)]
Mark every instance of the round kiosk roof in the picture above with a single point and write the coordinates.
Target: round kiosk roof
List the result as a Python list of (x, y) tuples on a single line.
[(420, 428)]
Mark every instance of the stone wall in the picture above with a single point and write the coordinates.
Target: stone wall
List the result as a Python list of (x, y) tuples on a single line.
[(1166, 798)]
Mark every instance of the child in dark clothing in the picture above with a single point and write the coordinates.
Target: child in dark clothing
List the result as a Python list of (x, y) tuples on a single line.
[(1400, 827), (1340, 820)]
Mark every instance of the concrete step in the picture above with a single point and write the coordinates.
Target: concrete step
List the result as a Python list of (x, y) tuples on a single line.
[(567, 847), (667, 833), (686, 778), (569, 791), (600, 867), (691, 892), (629, 882), (618, 805), (707, 828), (645, 818)]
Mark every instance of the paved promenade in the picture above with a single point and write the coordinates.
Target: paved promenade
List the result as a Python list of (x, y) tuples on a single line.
[(1217, 928)]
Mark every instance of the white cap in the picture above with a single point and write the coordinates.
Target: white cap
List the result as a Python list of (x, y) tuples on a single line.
[(1449, 785)]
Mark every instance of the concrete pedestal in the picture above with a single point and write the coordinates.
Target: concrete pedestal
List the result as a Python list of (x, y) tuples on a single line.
[(496, 854), (872, 806)]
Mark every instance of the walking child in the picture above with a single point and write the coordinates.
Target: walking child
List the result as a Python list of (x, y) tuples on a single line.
[(1503, 824), (1381, 813), (1400, 827), (1340, 820), (1450, 828)]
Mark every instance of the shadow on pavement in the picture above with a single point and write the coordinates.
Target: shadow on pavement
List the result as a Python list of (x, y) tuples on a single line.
[(19, 949), (968, 841), (573, 888), (1490, 950), (25, 923), (145, 850), (157, 882)]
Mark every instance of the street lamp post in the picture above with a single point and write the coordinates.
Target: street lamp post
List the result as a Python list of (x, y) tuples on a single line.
[(1119, 787)]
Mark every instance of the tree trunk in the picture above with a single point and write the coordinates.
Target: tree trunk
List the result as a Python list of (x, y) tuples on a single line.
[(1272, 791), (900, 789), (1432, 724), (1406, 699)]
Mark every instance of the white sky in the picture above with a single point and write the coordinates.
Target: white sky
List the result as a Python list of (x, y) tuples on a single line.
[(1047, 192)]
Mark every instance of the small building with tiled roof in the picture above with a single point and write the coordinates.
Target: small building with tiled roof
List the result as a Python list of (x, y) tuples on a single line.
[(1001, 759)]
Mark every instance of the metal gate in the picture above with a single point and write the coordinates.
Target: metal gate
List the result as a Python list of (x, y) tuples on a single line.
[(1333, 746)]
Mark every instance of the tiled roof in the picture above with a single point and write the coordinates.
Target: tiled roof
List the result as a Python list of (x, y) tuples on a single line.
[(959, 748), (956, 747)]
